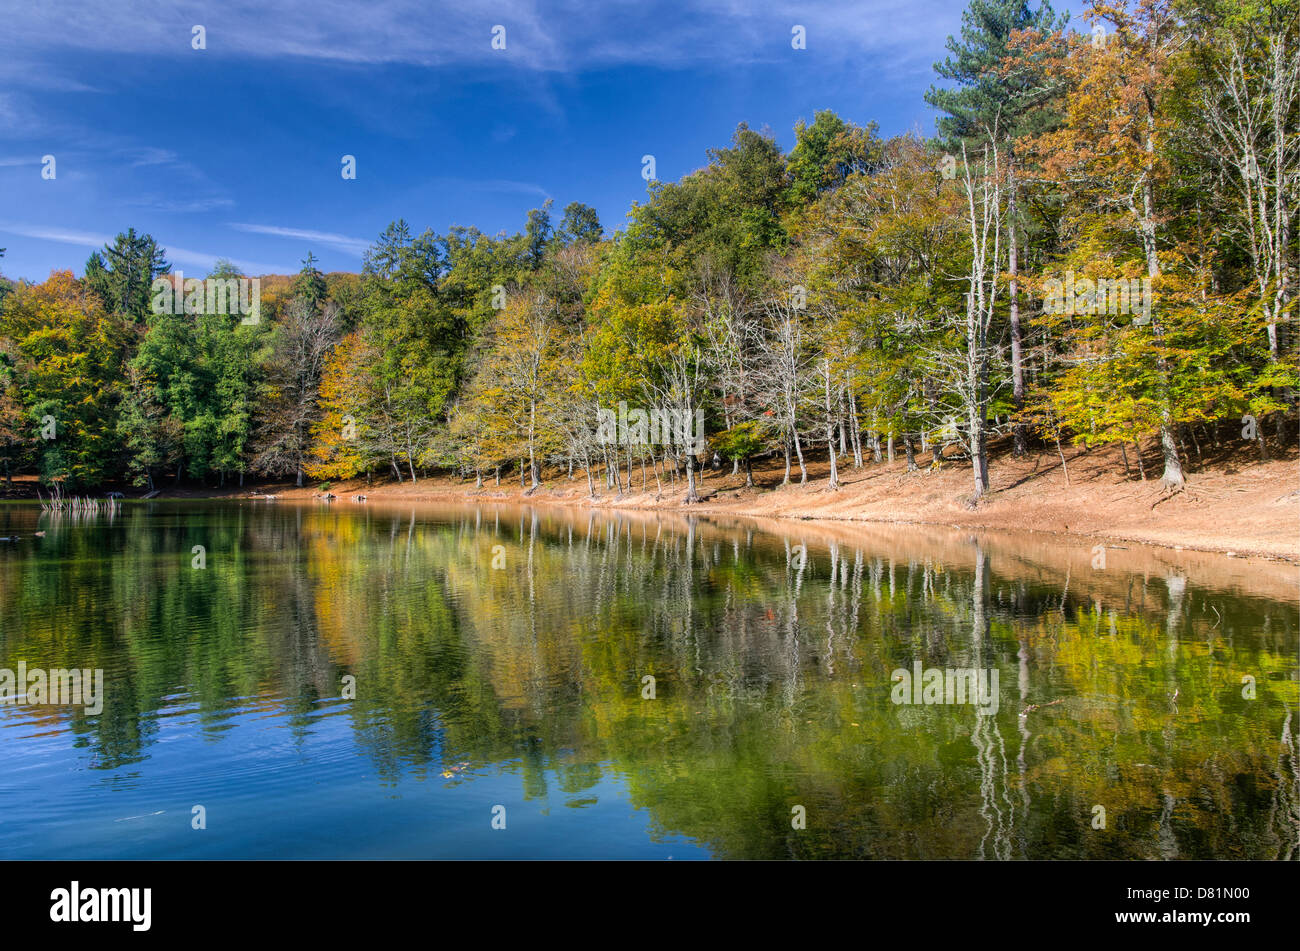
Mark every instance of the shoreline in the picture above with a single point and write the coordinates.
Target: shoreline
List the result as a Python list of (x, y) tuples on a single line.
[(1231, 507)]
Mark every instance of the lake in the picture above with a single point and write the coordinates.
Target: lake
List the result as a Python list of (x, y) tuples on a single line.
[(371, 681)]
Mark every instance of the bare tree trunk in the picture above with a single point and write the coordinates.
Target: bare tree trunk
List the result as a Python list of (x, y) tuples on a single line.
[(844, 450), (1013, 285), (1173, 476), (979, 453), (532, 451), (691, 495), (855, 433), (1060, 452), (830, 424)]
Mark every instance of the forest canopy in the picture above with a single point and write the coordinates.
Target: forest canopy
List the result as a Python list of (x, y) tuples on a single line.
[(1099, 246)]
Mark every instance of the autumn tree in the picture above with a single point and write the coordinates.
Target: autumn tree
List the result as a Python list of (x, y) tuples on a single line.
[(301, 345)]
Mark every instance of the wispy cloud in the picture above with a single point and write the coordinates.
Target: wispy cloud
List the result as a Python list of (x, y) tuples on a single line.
[(180, 205), (62, 235), (18, 68), (154, 156), (505, 185), (555, 35), (182, 256), (340, 242)]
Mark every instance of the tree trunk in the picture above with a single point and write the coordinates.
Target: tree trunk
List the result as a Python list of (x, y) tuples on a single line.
[(855, 431), (691, 495), (830, 426), (979, 456), (1013, 285), (1173, 476)]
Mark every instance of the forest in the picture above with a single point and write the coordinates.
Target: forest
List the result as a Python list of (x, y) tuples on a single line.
[(1098, 245)]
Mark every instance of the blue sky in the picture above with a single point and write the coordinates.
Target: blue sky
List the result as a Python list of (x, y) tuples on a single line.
[(234, 151)]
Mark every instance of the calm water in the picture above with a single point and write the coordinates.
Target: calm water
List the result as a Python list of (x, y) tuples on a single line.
[(512, 676)]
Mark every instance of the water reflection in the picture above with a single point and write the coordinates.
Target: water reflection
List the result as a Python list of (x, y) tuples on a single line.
[(505, 648)]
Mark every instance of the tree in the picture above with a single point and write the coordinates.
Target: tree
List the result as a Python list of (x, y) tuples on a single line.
[(741, 442), (1248, 93), (310, 282), (301, 344), (783, 376), (826, 153), (997, 99), (418, 338), (153, 437), (580, 225), (345, 437), (522, 369), (123, 273), (15, 435), (1111, 156), (71, 354), (982, 191), (537, 235)]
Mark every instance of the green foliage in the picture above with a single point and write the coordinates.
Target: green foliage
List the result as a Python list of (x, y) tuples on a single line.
[(994, 87), (797, 300), (121, 275)]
